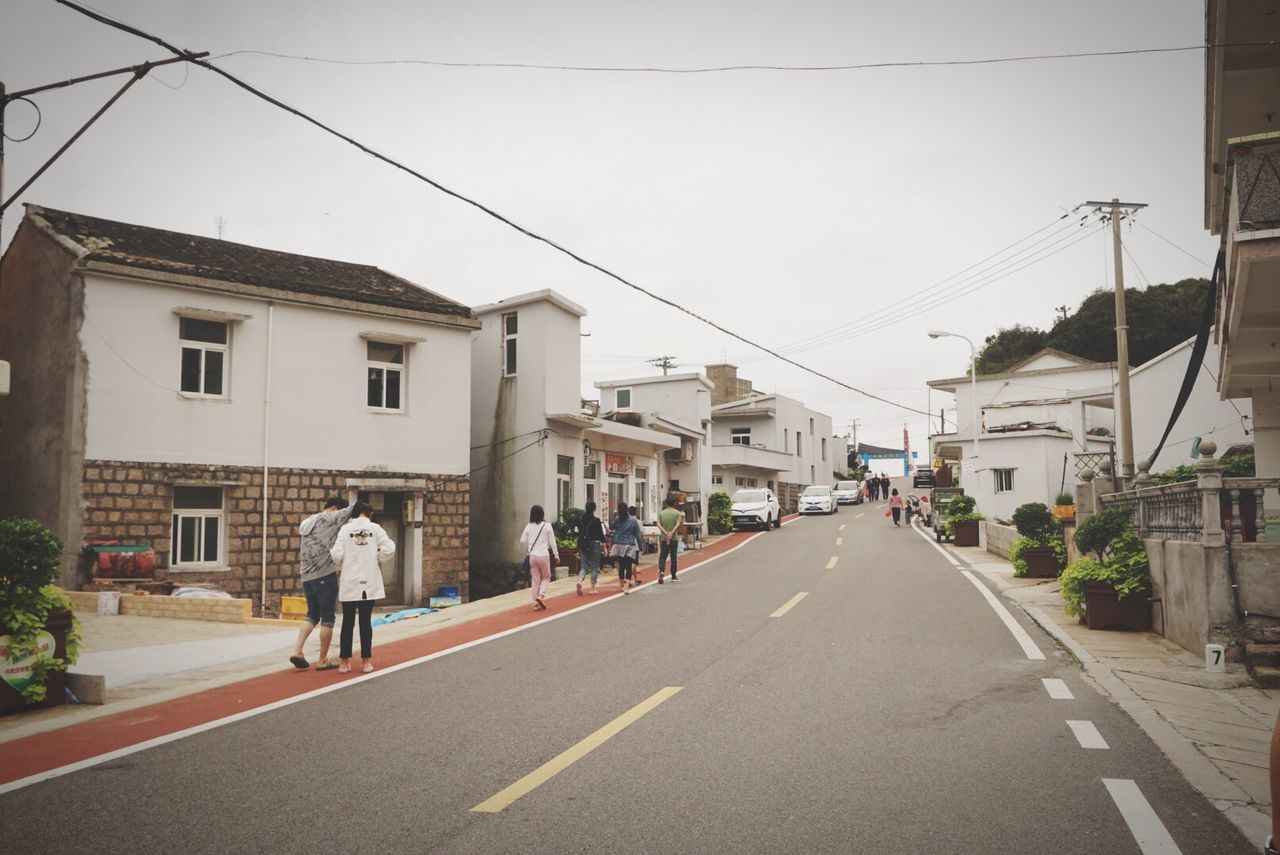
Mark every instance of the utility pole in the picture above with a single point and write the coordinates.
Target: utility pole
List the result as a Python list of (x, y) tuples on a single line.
[(1124, 416), (664, 362), (1062, 309)]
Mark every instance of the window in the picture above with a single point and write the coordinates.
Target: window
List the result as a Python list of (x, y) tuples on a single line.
[(799, 453), (509, 328), (204, 356), (197, 526), (745, 482), (717, 480), (1004, 480), (740, 436), (824, 448), (564, 485), (386, 376), (622, 399), (642, 493), (810, 427)]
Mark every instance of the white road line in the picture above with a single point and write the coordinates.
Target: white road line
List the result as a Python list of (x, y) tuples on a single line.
[(832, 563), (1057, 689), (860, 516), (108, 756), (945, 554), (1147, 829), (1020, 635), (790, 604), (839, 541), (1087, 734), (842, 525)]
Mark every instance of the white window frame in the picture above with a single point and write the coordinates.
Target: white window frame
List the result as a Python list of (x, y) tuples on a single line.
[(617, 398), (717, 480), (510, 339), (740, 436), (204, 347), (401, 368), (564, 485), (203, 515), (1005, 476)]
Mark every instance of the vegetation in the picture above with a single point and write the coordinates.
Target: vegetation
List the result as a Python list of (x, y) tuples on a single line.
[(1233, 466), (566, 528), (1160, 317), (29, 555), (1064, 498), (719, 513), (962, 509), (1038, 530), (1121, 559)]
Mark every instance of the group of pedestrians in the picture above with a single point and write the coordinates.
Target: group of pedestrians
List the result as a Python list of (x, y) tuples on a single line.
[(876, 487), (621, 541), (342, 550)]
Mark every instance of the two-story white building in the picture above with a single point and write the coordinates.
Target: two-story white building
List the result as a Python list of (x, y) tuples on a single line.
[(535, 442), (760, 440), (201, 397)]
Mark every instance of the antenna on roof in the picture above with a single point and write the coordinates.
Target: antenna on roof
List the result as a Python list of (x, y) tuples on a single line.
[(220, 223)]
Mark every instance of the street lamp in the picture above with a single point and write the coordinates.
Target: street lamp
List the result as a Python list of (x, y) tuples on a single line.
[(973, 386)]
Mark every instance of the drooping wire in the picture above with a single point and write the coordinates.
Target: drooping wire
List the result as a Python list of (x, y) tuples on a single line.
[(39, 119), (1190, 255), (474, 203)]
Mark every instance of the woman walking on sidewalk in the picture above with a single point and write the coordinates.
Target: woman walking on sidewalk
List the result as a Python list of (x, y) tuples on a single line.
[(590, 543), (539, 542), (360, 546), (626, 546), (895, 506)]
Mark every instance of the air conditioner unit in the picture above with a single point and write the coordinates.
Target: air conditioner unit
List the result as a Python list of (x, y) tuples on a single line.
[(684, 454)]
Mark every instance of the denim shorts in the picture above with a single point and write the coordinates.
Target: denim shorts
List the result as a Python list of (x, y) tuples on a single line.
[(322, 599)]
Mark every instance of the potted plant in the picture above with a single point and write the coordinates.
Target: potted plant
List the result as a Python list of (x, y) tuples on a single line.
[(1039, 550), (41, 634), (962, 520), (566, 529), (720, 513), (1109, 588), (1064, 507)]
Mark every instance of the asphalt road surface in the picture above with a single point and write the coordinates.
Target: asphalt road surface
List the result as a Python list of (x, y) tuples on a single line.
[(887, 710)]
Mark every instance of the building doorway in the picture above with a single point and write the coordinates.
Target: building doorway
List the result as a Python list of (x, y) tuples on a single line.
[(617, 495), (388, 512)]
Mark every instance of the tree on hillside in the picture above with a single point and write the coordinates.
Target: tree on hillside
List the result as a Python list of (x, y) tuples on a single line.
[(1160, 317), (1008, 347)]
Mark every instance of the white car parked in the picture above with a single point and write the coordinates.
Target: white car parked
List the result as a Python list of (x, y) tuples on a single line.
[(849, 493), (756, 509), (818, 499)]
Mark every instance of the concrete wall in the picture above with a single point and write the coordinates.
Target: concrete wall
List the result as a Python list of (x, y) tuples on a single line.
[(42, 419), (999, 538), (778, 433), (182, 608), (1194, 591), (319, 417)]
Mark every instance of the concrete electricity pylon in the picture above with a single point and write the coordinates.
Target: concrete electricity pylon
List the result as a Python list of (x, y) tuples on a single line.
[(664, 362)]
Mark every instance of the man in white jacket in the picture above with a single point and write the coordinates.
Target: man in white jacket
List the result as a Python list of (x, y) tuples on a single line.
[(361, 546)]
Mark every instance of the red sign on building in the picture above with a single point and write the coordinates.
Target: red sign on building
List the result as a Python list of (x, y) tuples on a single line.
[(618, 464)]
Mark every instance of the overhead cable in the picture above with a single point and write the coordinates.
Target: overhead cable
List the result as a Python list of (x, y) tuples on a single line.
[(191, 57)]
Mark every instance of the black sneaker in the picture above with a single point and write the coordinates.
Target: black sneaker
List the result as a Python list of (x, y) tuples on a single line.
[(660, 579), (674, 578)]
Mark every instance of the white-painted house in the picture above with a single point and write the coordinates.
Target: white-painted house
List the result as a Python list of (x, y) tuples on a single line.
[(160, 378)]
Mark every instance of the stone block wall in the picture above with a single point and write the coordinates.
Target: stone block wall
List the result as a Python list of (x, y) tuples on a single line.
[(999, 538), (789, 496), (133, 503)]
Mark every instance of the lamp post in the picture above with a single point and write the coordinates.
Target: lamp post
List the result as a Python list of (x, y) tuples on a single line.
[(973, 386)]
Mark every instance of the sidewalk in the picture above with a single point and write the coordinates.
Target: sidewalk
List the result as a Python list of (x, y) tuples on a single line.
[(1215, 728), (166, 677)]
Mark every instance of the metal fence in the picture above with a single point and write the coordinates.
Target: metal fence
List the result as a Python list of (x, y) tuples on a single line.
[(1093, 460)]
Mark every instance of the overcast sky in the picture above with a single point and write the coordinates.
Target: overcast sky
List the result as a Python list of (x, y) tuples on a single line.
[(781, 204)]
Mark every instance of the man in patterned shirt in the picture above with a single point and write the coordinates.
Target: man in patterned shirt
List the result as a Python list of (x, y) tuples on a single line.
[(320, 579)]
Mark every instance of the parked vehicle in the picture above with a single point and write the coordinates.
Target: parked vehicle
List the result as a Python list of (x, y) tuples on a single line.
[(922, 478), (818, 499), (939, 498), (756, 509), (848, 493)]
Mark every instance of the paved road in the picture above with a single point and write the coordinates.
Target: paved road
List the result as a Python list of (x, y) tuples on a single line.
[(887, 711)]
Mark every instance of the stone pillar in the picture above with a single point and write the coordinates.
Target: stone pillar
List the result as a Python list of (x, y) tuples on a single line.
[(1085, 497), (1143, 479), (1209, 482), (1103, 484)]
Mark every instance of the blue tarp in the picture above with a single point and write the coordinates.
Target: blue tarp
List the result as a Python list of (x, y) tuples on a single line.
[(404, 614)]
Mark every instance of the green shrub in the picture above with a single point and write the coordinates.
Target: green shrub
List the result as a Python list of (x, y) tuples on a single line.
[(961, 505), (1233, 466), (1097, 533), (1019, 563), (719, 513), (29, 555), (1034, 521), (1064, 498), (1121, 561)]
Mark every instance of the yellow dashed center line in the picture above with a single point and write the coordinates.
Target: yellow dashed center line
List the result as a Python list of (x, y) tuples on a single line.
[(832, 563), (839, 541), (567, 758), (790, 604)]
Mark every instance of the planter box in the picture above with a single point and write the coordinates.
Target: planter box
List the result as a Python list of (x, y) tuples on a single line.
[(1042, 563), (1063, 513), (966, 533), (1104, 609), (57, 624)]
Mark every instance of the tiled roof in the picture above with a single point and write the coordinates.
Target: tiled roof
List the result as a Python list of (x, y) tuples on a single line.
[(147, 248)]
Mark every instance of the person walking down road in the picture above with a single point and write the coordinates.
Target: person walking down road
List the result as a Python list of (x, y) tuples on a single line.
[(895, 506), (627, 537), (884, 485), (361, 546), (539, 542), (590, 544), (320, 579), (670, 519)]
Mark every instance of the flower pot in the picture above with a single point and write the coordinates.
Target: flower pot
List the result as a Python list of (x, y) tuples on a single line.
[(56, 625), (1063, 513), (1105, 609), (570, 558), (1042, 562), (966, 533)]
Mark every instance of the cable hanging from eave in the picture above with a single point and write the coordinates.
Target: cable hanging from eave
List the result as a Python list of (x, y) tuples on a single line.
[(472, 202)]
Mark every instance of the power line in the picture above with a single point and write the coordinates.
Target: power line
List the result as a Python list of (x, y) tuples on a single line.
[(650, 69), (191, 57), (1190, 255)]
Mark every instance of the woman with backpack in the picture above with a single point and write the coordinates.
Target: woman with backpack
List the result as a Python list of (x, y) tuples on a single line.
[(626, 546), (539, 542), (590, 545)]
